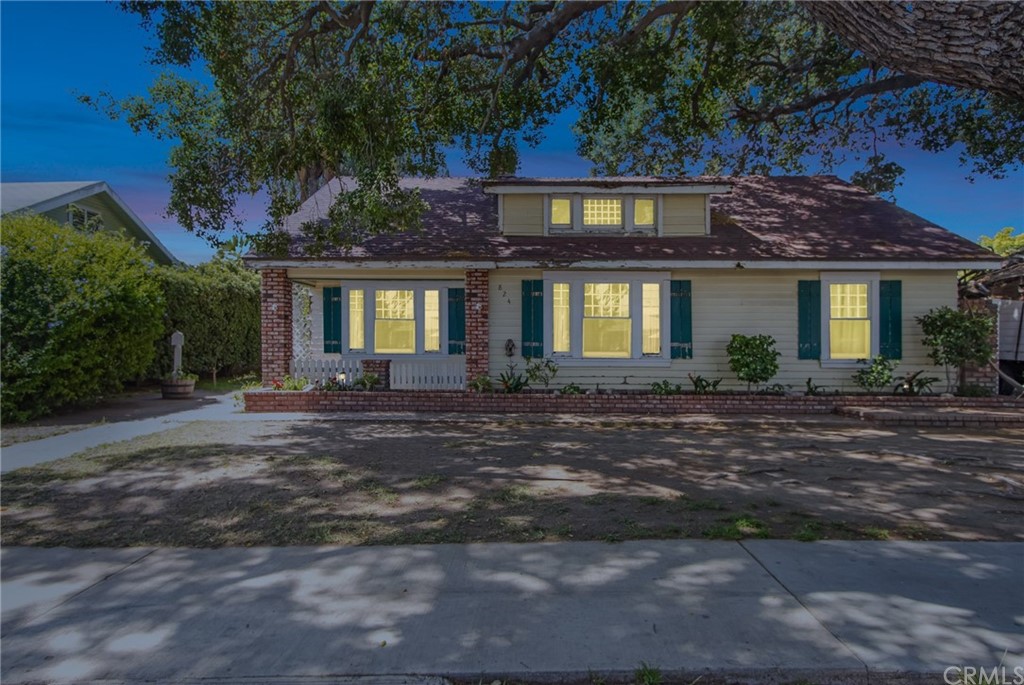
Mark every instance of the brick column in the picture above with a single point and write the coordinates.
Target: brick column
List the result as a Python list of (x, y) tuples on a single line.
[(984, 376), (275, 324), (477, 324), (380, 367)]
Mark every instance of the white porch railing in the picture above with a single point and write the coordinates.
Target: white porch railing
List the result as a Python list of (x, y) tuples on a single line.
[(428, 375), (326, 369)]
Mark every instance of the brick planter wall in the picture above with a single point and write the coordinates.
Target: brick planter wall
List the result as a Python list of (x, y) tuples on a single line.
[(275, 324), (477, 331), (438, 401)]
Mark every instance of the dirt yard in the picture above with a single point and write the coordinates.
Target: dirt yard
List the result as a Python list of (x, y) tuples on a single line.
[(349, 482)]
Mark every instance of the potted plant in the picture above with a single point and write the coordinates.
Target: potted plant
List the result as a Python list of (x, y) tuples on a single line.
[(178, 385)]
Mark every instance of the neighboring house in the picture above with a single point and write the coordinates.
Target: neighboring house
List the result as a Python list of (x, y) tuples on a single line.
[(621, 281), (82, 204), (1005, 287)]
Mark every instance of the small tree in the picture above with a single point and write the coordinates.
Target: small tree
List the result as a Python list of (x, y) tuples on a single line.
[(957, 338), (753, 358), (875, 375)]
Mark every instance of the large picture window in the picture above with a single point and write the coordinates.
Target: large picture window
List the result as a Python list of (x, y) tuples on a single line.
[(394, 329), (614, 316)]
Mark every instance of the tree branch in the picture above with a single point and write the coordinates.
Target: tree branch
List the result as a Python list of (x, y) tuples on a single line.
[(834, 97)]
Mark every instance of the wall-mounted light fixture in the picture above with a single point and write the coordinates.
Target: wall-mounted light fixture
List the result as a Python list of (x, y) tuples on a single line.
[(510, 348)]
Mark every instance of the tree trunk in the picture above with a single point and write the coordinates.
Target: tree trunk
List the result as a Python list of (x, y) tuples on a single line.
[(973, 44)]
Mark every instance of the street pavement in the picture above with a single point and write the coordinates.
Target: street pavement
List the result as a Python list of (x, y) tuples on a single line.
[(756, 611)]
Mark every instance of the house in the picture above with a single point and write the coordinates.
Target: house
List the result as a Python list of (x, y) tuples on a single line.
[(82, 204), (621, 281), (1005, 289)]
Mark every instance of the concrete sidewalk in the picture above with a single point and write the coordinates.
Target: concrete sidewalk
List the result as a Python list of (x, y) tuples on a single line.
[(764, 611)]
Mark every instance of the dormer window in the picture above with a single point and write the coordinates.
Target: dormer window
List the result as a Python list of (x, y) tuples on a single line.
[(601, 214)]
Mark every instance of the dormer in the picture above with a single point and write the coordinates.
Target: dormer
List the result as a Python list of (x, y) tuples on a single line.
[(647, 206)]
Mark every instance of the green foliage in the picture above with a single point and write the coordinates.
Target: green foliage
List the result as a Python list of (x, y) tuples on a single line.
[(1003, 243), (481, 383), (703, 386), (334, 385), (957, 338), (80, 315), (811, 389), (290, 384), (647, 675), (541, 371), (915, 384), (296, 94), (571, 389), (217, 307), (368, 381), (974, 390), (753, 358), (182, 376), (512, 381), (666, 388), (876, 374)]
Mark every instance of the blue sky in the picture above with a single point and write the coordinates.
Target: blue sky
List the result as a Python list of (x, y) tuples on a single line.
[(49, 51)]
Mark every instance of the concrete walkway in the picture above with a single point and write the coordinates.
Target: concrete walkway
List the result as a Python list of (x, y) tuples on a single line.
[(765, 610)]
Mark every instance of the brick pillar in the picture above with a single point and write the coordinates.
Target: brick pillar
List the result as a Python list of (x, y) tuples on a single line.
[(380, 367), (477, 325), (275, 324), (984, 376)]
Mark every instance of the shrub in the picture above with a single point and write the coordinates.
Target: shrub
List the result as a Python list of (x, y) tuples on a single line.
[(481, 383), (915, 384), (703, 386), (753, 358), (666, 388), (571, 389), (368, 381), (80, 311), (876, 375), (957, 338), (541, 371), (290, 384), (217, 307), (512, 381)]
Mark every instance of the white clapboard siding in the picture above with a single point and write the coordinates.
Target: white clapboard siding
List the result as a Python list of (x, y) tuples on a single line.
[(428, 375), (1011, 332), (325, 369)]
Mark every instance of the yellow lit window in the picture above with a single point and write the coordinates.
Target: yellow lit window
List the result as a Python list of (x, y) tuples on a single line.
[(561, 211), (652, 318), (849, 325), (395, 324), (356, 332), (600, 211), (560, 316), (607, 328), (431, 321), (643, 212)]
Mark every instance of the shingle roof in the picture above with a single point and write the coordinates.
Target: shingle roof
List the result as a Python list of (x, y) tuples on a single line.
[(780, 218), (15, 196)]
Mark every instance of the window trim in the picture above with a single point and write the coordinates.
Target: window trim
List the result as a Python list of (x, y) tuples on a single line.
[(827, 278), (636, 279), (370, 288), (549, 210)]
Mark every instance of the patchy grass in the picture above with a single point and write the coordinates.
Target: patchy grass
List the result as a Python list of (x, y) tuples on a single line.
[(280, 483)]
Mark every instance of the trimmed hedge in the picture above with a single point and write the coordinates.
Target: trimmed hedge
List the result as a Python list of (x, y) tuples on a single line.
[(81, 312), (217, 307)]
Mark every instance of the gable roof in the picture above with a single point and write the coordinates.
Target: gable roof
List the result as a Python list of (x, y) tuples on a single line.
[(49, 195), (763, 219)]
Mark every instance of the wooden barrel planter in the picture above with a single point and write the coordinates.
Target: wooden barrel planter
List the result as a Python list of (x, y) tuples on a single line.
[(177, 390)]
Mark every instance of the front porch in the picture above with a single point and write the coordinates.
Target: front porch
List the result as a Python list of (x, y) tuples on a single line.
[(313, 329)]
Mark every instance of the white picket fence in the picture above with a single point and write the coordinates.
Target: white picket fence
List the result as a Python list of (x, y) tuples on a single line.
[(326, 369), (428, 375)]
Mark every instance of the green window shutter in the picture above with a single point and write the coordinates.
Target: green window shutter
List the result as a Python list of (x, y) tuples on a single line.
[(332, 319), (681, 311), (890, 319), (809, 320), (456, 321), (533, 319)]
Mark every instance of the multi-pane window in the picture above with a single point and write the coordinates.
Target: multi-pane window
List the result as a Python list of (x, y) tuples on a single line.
[(849, 321), (84, 219), (607, 327), (561, 211), (643, 211), (601, 211), (431, 321), (651, 332), (394, 329), (560, 320), (356, 330)]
